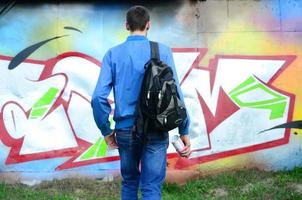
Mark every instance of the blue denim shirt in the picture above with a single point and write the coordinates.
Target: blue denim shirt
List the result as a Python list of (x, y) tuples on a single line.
[(122, 70)]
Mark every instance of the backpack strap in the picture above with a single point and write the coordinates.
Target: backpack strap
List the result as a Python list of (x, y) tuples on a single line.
[(154, 50)]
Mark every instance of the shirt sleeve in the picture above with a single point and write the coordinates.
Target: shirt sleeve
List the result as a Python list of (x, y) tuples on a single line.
[(100, 105), (184, 127)]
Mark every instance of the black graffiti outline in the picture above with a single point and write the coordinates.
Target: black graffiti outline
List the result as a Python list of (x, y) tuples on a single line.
[(25, 53), (294, 124), (72, 28)]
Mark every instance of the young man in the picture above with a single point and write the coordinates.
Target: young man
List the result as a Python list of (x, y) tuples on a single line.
[(143, 164)]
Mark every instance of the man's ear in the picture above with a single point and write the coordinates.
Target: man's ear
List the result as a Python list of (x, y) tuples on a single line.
[(127, 26), (148, 25)]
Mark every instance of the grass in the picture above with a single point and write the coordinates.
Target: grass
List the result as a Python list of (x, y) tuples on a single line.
[(243, 184)]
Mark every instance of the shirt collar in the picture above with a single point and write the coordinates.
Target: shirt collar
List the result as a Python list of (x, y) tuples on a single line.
[(136, 37)]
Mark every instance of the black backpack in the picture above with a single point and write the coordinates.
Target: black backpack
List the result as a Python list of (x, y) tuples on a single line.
[(159, 106)]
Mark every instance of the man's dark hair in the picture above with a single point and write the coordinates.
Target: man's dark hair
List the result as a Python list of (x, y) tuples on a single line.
[(137, 18)]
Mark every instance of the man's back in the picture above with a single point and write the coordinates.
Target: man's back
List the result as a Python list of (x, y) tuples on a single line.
[(123, 70)]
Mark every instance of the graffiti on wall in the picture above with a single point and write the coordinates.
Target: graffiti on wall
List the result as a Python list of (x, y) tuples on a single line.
[(46, 113)]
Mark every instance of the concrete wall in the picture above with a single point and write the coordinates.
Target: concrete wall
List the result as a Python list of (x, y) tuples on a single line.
[(238, 61)]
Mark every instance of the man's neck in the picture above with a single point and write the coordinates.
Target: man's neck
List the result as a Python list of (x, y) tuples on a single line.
[(143, 33)]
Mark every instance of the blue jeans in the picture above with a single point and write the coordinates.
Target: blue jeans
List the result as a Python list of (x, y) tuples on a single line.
[(143, 164)]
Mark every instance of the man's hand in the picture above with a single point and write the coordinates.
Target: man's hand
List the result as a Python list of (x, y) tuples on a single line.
[(187, 150), (110, 140)]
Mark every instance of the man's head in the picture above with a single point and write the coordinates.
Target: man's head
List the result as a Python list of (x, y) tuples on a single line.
[(137, 19)]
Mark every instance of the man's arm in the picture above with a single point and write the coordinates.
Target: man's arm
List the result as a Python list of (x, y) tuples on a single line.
[(99, 102), (184, 127)]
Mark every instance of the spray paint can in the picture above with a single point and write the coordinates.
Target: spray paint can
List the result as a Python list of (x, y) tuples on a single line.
[(177, 143)]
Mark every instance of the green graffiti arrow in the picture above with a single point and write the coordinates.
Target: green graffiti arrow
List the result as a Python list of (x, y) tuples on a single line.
[(277, 103)]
